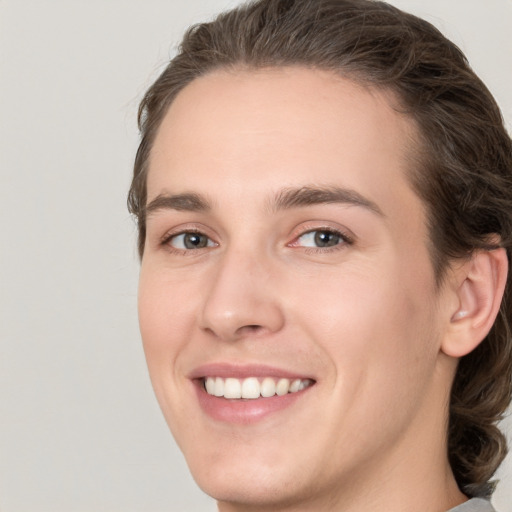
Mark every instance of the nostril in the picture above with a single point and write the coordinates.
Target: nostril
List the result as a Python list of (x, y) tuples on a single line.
[(249, 329)]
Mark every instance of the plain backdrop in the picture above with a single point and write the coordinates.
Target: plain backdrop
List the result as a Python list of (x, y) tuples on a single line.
[(80, 429)]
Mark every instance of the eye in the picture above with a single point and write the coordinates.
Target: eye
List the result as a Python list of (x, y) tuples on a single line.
[(321, 238), (190, 240)]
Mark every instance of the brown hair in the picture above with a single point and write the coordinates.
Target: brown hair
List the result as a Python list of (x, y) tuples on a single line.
[(463, 168)]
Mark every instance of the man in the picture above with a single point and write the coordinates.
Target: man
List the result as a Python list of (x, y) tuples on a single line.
[(324, 198)]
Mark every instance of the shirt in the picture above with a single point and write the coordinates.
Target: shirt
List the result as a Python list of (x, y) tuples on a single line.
[(474, 505)]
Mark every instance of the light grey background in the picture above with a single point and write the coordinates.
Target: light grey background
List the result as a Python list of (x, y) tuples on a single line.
[(79, 427)]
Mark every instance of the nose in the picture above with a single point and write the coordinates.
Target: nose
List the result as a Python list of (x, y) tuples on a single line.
[(241, 300)]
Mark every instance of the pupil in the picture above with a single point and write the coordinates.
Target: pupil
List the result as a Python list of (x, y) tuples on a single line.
[(326, 239), (195, 241)]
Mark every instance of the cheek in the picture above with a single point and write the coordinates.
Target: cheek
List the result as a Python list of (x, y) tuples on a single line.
[(165, 326), (165, 314), (371, 321), (374, 328)]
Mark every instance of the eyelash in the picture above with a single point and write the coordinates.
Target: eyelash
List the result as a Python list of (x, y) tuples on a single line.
[(344, 240), (166, 241)]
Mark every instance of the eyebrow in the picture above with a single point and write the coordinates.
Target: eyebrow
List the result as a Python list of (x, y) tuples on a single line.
[(313, 195), (285, 199), (189, 202)]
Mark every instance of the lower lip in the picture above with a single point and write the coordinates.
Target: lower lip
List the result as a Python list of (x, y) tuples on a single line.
[(244, 412)]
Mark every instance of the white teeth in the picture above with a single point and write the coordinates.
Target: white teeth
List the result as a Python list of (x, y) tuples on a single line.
[(268, 387), (210, 385), (283, 386), (232, 388), (295, 386), (219, 387), (252, 388)]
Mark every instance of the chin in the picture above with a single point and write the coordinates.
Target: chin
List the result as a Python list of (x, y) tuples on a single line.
[(252, 485), (267, 473)]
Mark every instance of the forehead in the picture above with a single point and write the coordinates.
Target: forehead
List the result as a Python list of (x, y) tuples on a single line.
[(245, 133)]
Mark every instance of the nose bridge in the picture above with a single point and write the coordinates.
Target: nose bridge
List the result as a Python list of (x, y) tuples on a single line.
[(241, 298)]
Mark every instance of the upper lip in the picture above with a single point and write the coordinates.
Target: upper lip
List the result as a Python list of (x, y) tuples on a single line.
[(242, 371)]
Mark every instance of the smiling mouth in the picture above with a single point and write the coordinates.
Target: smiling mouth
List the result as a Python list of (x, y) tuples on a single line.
[(252, 388)]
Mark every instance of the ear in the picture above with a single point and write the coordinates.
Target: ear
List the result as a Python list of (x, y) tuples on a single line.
[(480, 284)]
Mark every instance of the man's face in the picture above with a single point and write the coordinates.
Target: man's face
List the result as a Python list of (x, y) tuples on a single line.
[(285, 242)]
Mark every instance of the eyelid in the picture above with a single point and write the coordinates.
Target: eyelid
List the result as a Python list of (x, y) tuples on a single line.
[(182, 230), (173, 239), (345, 234)]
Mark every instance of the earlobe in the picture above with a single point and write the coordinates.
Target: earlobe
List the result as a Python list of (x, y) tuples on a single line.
[(478, 297)]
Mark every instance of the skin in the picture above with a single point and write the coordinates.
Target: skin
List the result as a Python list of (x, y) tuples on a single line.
[(363, 318)]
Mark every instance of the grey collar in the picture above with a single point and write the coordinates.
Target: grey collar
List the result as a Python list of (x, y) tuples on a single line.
[(474, 505)]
